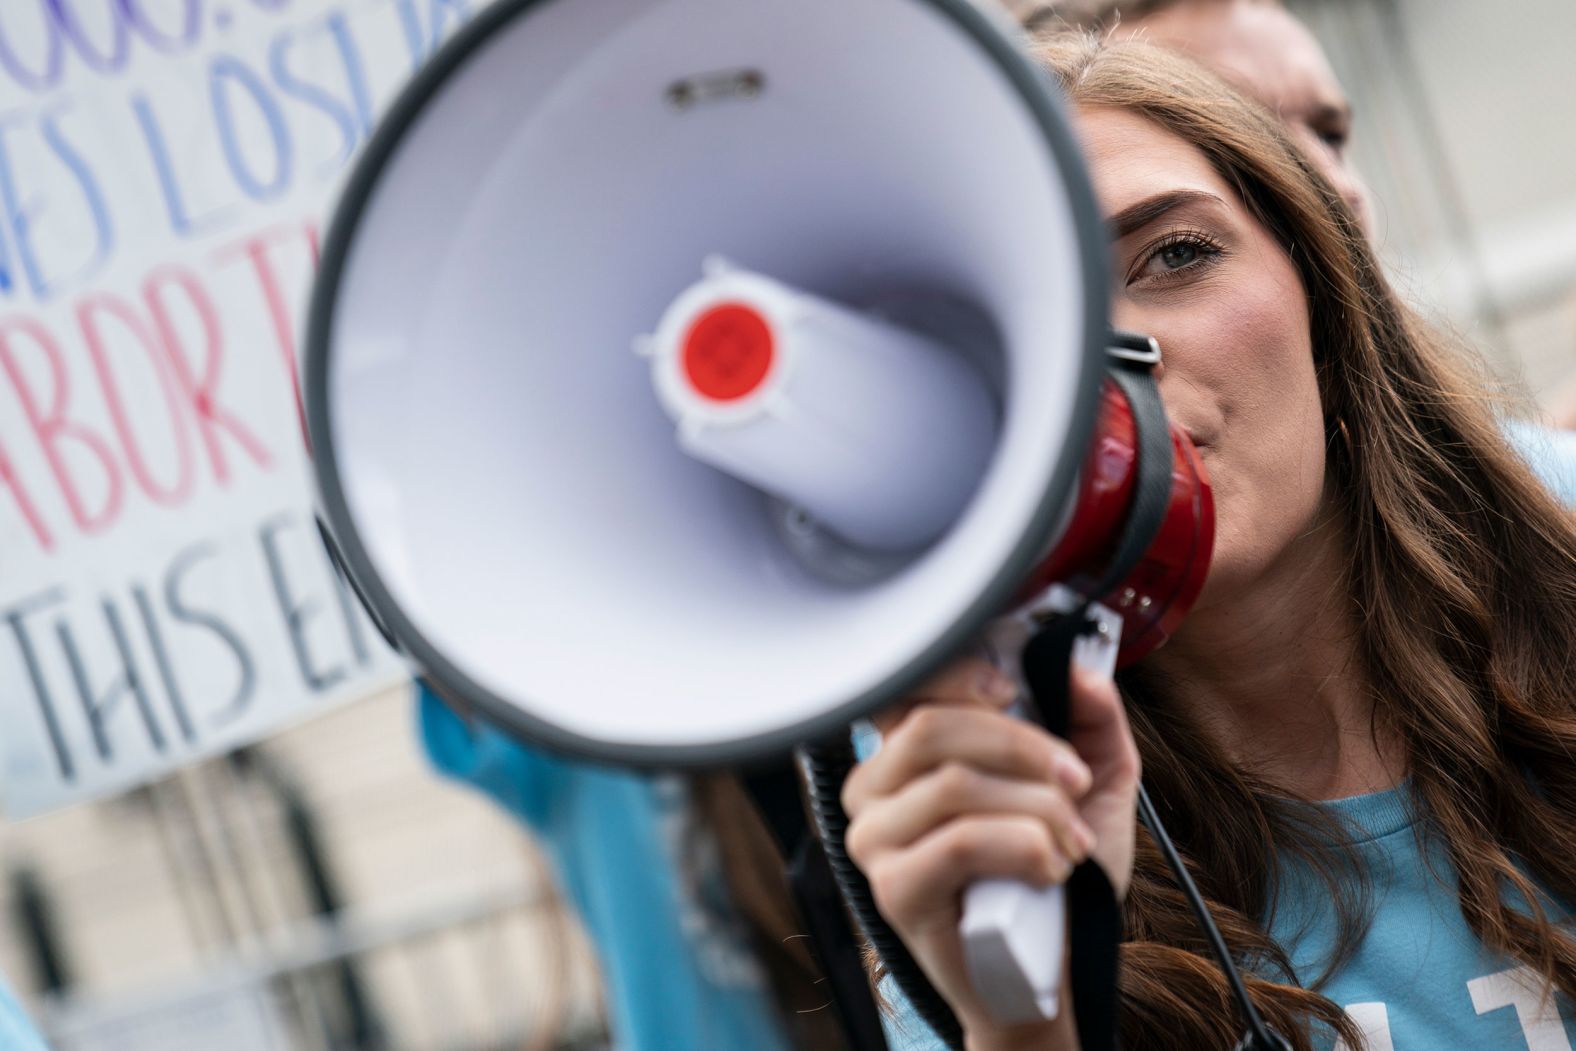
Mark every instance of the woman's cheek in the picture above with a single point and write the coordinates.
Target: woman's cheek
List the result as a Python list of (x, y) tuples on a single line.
[(1249, 383)]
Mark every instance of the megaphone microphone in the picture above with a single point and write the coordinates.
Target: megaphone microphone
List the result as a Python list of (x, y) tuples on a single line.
[(874, 432)]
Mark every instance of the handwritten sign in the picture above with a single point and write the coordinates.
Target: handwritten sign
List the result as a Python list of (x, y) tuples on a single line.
[(164, 169)]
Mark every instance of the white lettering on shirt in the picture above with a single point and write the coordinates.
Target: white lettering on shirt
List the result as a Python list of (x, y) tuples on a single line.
[(1526, 991), (1374, 1022)]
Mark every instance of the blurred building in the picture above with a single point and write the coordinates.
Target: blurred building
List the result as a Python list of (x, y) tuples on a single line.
[(1466, 133)]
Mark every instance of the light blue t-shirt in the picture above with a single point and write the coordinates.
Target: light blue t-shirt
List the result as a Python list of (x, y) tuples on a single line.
[(16, 1032), (1419, 979)]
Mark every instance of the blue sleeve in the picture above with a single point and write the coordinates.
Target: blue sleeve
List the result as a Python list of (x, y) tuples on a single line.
[(526, 781), (1550, 453), (16, 1032)]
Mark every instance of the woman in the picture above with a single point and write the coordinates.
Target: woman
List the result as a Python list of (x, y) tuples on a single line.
[(1362, 737), (1385, 624)]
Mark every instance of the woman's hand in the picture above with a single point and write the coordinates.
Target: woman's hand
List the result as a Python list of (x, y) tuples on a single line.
[(961, 791)]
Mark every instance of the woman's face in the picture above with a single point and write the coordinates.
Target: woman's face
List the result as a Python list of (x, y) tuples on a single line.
[(1194, 269)]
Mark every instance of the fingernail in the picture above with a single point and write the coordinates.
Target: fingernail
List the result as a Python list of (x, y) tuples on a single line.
[(1073, 773), (1085, 837), (995, 687), (1092, 681)]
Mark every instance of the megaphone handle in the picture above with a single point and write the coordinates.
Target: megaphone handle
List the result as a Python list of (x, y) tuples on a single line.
[(1013, 934)]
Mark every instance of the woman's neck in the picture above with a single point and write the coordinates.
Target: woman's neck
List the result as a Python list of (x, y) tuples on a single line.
[(1275, 675)]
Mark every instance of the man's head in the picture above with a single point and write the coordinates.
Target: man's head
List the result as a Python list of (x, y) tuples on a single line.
[(1256, 44)]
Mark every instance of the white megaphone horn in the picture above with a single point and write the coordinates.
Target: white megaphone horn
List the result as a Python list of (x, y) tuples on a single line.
[(856, 432)]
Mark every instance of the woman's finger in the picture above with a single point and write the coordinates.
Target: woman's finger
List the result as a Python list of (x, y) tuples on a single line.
[(954, 790), (1097, 727), (993, 742), (918, 888)]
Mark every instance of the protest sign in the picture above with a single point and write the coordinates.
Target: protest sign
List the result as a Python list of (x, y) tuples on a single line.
[(165, 168)]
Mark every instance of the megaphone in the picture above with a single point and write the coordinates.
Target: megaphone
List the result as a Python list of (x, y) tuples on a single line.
[(855, 244)]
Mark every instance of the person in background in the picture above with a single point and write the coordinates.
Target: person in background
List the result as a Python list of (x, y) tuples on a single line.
[(1257, 45), (693, 931), (1262, 49)]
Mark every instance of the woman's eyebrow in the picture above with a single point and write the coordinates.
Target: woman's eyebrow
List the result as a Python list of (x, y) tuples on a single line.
[(1149, 209)]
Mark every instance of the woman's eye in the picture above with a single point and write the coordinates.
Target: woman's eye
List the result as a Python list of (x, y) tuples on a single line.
[(1176, 256)]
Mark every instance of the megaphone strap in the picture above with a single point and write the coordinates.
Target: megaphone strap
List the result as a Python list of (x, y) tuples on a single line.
[(1133, 358), (1094, 919)]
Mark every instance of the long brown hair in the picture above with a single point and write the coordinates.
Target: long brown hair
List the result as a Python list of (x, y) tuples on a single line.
[(1462, 572)]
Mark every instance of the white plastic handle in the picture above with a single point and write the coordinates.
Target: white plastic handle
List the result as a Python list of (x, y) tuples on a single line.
[(1013, 933)]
